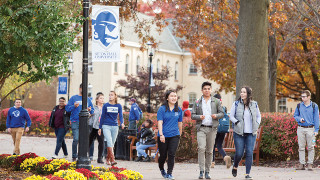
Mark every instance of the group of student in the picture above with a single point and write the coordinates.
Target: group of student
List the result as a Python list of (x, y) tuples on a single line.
[(244, 114)]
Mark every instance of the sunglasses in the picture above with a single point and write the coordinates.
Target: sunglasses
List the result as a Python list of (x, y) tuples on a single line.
[(304, 96)]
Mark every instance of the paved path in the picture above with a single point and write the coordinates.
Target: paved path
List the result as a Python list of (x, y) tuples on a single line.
[(182, 171)]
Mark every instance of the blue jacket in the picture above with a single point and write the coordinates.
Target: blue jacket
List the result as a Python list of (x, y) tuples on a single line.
[(134, 112), (75, 111), (18, 117), (310, 116)]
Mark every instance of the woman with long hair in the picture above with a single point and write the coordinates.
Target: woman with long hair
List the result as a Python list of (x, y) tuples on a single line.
[(169, 118), (246, 118), (109, 124), (94, 121)]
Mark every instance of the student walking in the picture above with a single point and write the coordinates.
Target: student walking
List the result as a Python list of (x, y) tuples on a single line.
[(169, 118), (75, 106), (206, 111), (246, 117), (94, 121), (220, 138), (307, 116), (134, 115), (60, 122), (109, 124), (16, 122), (146, 140)]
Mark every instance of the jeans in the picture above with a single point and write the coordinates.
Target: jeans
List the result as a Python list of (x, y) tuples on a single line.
[(132, 124), (110, 134), (16, 134), (75, 134), (60, 133), (142, 147), (306, 136), (205, 137), (91, 148), (168, 149), (218, 144), (94, 135), (241, 143)]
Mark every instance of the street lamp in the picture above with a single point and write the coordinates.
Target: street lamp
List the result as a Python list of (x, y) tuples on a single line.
[(83, 159), (150, 57), (69, 72)]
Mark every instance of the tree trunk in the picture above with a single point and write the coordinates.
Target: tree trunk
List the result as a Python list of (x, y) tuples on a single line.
[(272, 60), (252, 50)]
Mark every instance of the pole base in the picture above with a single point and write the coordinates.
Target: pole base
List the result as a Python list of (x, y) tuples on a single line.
[(83, 163)]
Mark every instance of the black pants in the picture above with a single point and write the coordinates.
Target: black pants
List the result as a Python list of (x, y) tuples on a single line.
[(168, 149), (218, 144), (94, 135)]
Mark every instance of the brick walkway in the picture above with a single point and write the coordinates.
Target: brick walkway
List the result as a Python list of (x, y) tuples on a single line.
[(182, 171)]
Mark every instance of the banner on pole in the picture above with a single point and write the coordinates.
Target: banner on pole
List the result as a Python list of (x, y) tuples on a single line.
[(63, 85), (105, 34), (152, 81)]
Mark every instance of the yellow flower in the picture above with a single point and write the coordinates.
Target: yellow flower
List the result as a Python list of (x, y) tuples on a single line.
[(31, 163), (34, 177), (70, 175), (106, 175), (132, 175)]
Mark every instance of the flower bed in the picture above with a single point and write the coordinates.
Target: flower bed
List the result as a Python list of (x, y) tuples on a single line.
[(59, 169)]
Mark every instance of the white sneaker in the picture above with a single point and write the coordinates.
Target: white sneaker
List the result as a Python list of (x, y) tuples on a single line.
[(54, 157), (65, 156)]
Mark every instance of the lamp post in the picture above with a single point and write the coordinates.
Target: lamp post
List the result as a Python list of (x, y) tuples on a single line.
[(69, 72), (150, 57), (83, 160)]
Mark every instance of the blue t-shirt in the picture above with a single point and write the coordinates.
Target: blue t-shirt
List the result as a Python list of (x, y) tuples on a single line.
[(134, 112), (110, 113), (170, 120), (17, 117), (75, 111)]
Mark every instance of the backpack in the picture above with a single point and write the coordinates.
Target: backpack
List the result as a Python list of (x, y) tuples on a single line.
[(223, 126)]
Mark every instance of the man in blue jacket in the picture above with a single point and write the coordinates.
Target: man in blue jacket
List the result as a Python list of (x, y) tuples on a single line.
[(307, 116), (134, 115), (75, 106), (16, 121)]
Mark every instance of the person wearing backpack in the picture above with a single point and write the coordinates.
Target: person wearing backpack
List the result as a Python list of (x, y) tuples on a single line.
[(307, 116), (245, 116), (206, 111), (134, 115), (223, 128)]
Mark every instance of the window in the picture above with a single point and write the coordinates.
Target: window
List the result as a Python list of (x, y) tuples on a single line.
[(138, 64), (168, 64), (192, 69), (90, 65), (282, 105), (192, 99), (176, 71), (126, 93), (158, 65), (127, 64), (115, 67)]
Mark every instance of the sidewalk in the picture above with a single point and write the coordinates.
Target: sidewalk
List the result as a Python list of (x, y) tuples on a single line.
[(150, 171)]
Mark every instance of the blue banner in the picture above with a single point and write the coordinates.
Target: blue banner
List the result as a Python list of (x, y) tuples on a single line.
[(63, 85)]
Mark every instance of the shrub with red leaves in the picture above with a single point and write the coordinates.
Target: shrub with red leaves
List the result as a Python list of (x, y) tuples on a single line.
[(18, 160), (88, 174)]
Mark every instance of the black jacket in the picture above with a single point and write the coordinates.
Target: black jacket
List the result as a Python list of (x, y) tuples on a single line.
[(66, 118), (146, 136)]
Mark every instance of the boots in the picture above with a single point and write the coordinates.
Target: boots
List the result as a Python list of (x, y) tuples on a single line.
[(100, 160), (107, 157), (227, 159), (138, 159), (147, 159), (111, 156)]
